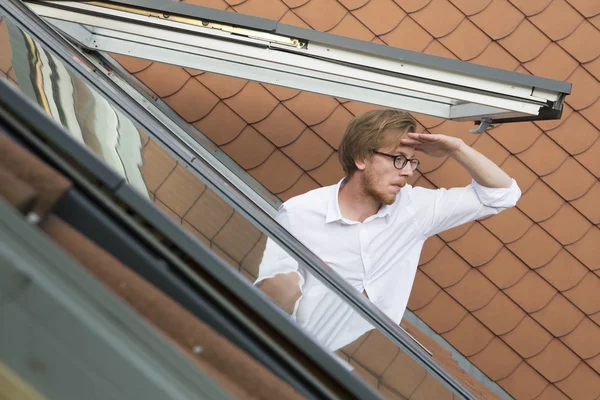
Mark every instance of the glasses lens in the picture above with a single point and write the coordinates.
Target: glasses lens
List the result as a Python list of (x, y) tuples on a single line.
[(414, 164), (400, 162)]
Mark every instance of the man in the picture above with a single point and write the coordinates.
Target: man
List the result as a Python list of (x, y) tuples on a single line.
[(371, 226)]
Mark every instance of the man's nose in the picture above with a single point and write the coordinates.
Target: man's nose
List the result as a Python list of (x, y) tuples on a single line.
[(407, 170)]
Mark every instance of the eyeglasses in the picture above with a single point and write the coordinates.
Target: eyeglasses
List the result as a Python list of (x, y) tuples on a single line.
[(400, 161)]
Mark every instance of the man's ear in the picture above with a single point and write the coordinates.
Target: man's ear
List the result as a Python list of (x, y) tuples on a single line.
[(360, 164)]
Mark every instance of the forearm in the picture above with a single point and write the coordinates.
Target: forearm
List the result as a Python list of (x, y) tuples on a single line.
[(283, 289), (481, 168)]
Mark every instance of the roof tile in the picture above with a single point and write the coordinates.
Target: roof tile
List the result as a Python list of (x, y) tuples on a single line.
[(253, 103), (526, 42), (497, 360), (443, 313), (380, 16), (328, 173), (408, 35), (564, 271), (353, 4), (308, 151), (290, 18), (509, 225), (591, 158), (404, 374), (131, 64), (595, 20), (432, 388), (312, 13), (349, 349), (295, 3), (428, 121), (180, 190), (505, 269), (552, 393), (304, 184), (193, 101), (466, 41), (282, 93), (558, 20), (544, 156), (437, 49), (428, 164), (439, 18), (222, 85), (490, 148), (594, 362), (224, 256), (221, 125), (189, 228), (470, 336), (583, 43), (592, 113), (165, 209), (376, 353), (281, 127), (531, 7), (528, 338), (586, 295), (501, 315), (583, 383), (524, 382), (452, 234), (560, 316), (357, 108), (423, 291), (332, 129), (365, 374), (271, 9), (497, 57), (562, 180), (519, 172), (250, 149), (554, 123), (497, 28), (450, 174), (532, 293), (277, 173), (157, 165), (588, 204), (351, 27), (252, 260), (555, 362), (471, 7), (431, 248), (209, 214), (585, 339), (312, 108), (567, 225), (587, 8), (516, 137), (540, 202), (536, 248), (473, 291), (388, 393), (547, 65), (564, 135), (237, 237), (585, 249), (477, 246), (446, 268), (154, 74)]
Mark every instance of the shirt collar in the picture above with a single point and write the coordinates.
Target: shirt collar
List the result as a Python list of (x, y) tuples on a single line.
[(333, 207)]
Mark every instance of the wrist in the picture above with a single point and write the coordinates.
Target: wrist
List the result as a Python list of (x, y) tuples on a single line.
[(459, 149)]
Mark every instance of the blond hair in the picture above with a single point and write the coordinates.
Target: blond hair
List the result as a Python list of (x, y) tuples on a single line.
[(369, 132)]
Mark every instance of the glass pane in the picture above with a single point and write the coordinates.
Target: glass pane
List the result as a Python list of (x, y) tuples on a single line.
[(184, 196)]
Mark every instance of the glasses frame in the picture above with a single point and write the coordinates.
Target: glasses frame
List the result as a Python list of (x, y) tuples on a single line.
[(396, 157)]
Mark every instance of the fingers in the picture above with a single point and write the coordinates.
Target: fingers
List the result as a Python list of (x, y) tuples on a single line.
[(411, 142), (425, 137)]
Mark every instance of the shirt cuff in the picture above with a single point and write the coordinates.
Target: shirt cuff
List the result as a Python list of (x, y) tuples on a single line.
[(498, 197)]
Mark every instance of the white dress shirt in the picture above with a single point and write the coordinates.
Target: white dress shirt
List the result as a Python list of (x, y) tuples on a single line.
[(379, 255)]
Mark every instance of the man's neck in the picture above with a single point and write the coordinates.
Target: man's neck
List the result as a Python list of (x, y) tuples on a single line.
[(354, 203)]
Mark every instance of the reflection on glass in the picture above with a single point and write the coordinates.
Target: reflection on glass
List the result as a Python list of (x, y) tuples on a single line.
[(113, 137)]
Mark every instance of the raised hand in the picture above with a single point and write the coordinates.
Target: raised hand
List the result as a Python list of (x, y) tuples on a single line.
[(434, 145)]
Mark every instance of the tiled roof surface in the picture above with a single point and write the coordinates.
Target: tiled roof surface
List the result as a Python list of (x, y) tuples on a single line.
[(516, 293)]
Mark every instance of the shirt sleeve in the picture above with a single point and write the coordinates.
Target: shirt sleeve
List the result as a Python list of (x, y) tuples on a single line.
[(448, 208), (275, 259)]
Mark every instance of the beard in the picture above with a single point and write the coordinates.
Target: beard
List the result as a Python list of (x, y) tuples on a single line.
[(370, 182)]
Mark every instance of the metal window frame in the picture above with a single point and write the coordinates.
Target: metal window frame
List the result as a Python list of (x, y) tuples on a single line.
[(267, 51)]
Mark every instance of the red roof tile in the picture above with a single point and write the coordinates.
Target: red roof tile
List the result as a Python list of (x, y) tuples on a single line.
[(353, 4), (590, 158), (497, 57), (540, 202), (555, 362), (281, 127), (278, 173), (524, 383), (552, 393), (289, 18), (376, 344), (408, 35), (328, 173), (412, 5), (252, 259), (587, 8), (131, 64), (154, 74), (470, 336), (497, 28), (308, 160), (446, 268), (588, 204), (380, 16), (271, 9), (531, 7), (560, 316), (209, 214), (313, 14), (332, 129), (439, 18), (501, 315), (351, 27), (295, 3), (532, 293), (311, 108), (585, 339), (221, 125), (428, 163), (222, 85), (186, 103), (157, 165), (302, 185), (442, 314), (528, 339), (509, 225), (431, 248), (431, 388), (595, 21), (575, 135), (473, 291), (224, 256), (195, 233), (165, 209), (471, 7), (583, 383), (282, 93), (594, 362), (558, 20), (564, 271), (562, 180), (525, 42), (505, 269), (497, 360), (567, 225), (253, 103), (437, 49), (423, 291), (250, 149), (365, 374), (583, 44), (545, 64), (592, 112), (477, 246), (490, 148), (449, 174), (180, 190), (455, 233), (404, 375), (585, 249), (237, 237), (516, 137), (519, 172), (544, 156), (466, 41), (536, 248)]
